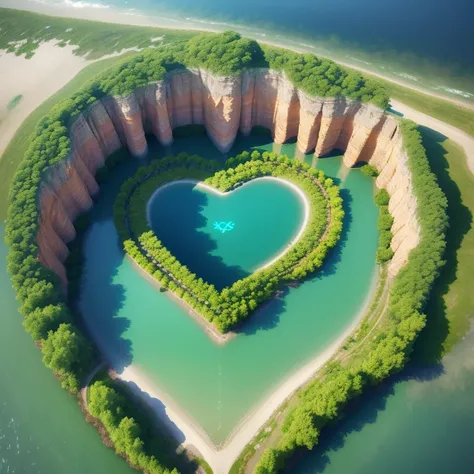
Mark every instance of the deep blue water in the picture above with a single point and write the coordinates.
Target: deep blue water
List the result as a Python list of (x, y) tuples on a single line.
[(426, 42), (435, 29)]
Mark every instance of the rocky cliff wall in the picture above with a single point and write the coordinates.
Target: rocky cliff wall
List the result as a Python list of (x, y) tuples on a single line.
[(225, 106)]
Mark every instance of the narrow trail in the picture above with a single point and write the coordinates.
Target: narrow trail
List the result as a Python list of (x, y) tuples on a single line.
[(88, 380), (453, 133)]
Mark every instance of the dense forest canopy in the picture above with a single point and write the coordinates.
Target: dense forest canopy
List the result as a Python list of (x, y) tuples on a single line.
[(229, 54)]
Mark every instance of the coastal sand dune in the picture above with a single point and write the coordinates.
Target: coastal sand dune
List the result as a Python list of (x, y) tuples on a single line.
[(35, 79)]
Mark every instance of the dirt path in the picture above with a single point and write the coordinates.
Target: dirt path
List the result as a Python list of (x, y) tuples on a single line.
[(87, 382), (453, 133)]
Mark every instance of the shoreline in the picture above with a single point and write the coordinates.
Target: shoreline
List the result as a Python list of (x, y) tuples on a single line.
[(109, 15), (222, 457), (217, 192), (465, 141), (208, 327), (116, 16), (36, 80)]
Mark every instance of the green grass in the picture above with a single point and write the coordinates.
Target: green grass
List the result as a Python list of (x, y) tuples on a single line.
[(449, 112), (451, 304), (453, 114), (16, 149), (90, 37), (204, 465), (98, 39)]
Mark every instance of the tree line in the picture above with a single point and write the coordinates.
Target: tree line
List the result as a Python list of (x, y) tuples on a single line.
[(384, 225), (47, 316), (110, 407), (233, 304), (388, 351)]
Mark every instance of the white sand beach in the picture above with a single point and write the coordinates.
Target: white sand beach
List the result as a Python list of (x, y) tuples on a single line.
[(35, 79), (109, 14), (46, 77), (453, 133)]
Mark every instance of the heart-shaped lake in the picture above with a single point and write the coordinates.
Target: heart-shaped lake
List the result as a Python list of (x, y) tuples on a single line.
[(223, 237)]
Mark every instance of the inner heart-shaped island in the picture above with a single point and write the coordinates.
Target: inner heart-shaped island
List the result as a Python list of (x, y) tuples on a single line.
[(227, 295)]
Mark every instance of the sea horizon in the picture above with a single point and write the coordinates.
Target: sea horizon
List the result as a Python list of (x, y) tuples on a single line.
[(403, 66)]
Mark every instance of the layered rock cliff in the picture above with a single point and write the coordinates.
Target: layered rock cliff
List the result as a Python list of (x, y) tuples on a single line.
[(225, 106)]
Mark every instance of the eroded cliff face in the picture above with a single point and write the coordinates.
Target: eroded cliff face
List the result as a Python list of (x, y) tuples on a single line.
[(225, 106)]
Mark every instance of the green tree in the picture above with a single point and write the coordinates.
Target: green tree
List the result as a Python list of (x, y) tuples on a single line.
[(42, 320)]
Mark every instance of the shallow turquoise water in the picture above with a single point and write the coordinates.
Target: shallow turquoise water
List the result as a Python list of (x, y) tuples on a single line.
[(218, 385), (422, 424), (225, 238), (42, 429)]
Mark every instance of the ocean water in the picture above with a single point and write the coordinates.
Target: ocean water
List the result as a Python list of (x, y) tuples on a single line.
[(420, 423), (425, 43)]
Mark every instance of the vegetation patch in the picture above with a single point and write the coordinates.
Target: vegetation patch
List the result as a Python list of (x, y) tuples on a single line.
[(233, 304), (108, 404), (323, 400), (23, 32), (384, 251), (14, 102), (450, 307)]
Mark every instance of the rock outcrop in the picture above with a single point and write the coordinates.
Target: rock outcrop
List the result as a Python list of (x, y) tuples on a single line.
[(225, 106)]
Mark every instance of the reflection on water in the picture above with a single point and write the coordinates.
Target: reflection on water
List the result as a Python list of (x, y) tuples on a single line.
[(265, 215)]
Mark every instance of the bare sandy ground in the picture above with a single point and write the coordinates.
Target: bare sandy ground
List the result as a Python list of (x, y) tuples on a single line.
[(35, 79), (87, 11)]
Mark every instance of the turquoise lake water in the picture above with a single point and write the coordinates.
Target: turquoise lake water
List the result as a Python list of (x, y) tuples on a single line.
[(421, 423), (218, 385), (225, 238)]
